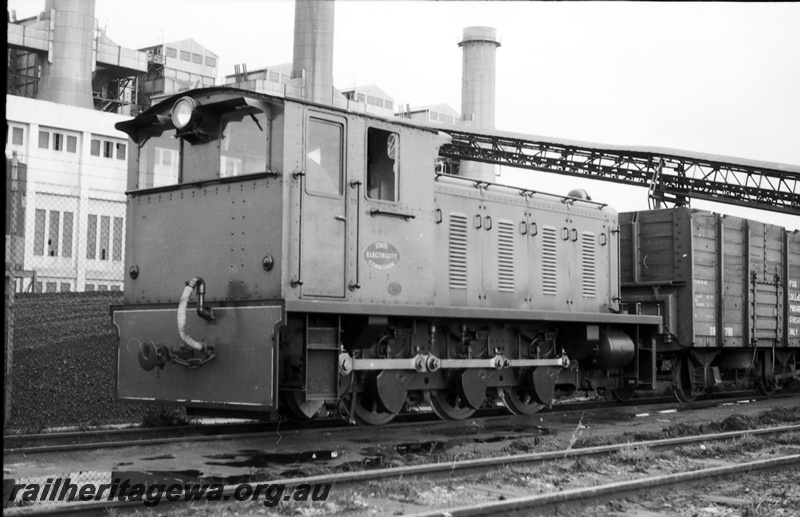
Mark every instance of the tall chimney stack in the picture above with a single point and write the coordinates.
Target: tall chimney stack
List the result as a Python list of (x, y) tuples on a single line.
[(67, 71), (313, 49), (478, 89)]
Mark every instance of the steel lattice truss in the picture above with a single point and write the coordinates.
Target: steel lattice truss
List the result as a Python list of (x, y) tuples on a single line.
[(669, 177)]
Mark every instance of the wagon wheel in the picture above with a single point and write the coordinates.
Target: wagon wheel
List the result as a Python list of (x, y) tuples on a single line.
[(449, 405), (623, 395), (301, 409), (765, 387), (682, 379), (367, 410), (520, 401)]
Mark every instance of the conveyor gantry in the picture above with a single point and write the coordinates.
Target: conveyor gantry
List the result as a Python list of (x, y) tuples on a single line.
[(669, 177)]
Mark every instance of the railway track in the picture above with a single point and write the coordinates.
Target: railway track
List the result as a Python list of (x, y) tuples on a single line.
[(118, 438), (577, 498), (465, 468)]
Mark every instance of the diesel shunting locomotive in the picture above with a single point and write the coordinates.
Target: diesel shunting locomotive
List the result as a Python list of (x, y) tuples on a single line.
[(289, 256)]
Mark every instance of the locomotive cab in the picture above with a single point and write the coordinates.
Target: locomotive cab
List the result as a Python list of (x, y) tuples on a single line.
[(204, 200)]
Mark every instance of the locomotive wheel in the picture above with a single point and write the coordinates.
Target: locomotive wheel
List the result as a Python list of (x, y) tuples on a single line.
[(520, 401), (682, 379), (449, 405), (300, 409), (367, 410)]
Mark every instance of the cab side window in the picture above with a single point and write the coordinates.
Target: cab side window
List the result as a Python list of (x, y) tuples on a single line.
[(324, 158), (382, 164)]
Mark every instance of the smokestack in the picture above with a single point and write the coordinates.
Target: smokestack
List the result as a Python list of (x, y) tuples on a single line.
[(67, 71), (313, 49), (478, 89)]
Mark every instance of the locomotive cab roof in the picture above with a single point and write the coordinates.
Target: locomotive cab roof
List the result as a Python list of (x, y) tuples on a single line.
[(224, 98)]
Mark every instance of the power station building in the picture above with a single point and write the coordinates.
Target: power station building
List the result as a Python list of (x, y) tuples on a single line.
[(74, 195)]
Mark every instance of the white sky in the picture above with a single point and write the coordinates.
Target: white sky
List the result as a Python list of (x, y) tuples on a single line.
[(721, 78)]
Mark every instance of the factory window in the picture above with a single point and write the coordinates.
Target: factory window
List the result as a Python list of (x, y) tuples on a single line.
[(211, 61), (72, 144), (66, 236), (89, 287), (388, 104), (197, 58), (95, 150), (434, 116), (101, 249), (38, 233), (65, 287), (370, 100), (44, 140), (58, 142), (105, 223), (186, 56), (360, 97), (121, 151), (108, 149), (324, 157), (17, 136), (115, 288), (37, 287), (52, 242), (52, 287), (382, 159), (91, 237), (102, 287), (171, 52), (117, 239)]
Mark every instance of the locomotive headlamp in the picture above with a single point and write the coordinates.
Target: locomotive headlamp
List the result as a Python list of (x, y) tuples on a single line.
[(182, 112)]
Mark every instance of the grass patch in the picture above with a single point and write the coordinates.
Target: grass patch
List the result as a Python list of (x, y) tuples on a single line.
[(165, 416), (771, 417), (640, 457)]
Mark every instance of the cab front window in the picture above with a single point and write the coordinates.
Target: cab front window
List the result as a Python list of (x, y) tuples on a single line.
[(221, 143)]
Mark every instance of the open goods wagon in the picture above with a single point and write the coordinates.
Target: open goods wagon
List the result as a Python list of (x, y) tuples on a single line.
[(727, 289)]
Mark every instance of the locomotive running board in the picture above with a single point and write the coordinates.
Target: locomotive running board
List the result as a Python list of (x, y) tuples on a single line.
[(427, 311)]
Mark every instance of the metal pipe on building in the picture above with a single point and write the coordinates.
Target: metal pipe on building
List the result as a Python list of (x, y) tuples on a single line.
[(313, 49), (67, 70), (479, 46)]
